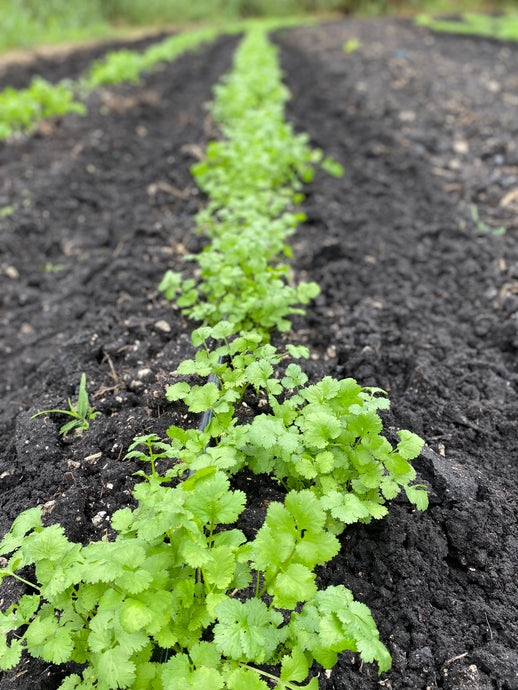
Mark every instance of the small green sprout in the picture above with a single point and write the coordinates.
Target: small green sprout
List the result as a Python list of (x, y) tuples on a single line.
[(332, 167), (49, 267), (81, 415), (483, 227), (351, 45)]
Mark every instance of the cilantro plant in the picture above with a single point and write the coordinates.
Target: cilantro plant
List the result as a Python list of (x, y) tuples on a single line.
[(252, 178), (128, 65), (174, 578), (20, 109), (326, 437), (81, 415)]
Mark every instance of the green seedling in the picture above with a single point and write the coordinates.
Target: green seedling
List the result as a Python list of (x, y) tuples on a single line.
[(351, 45), (156, 450), (6, 211), (82, 414), (503, 27), (49, 267), (483, 227)]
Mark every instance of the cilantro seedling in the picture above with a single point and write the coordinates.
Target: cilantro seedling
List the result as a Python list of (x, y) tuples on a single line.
[(351, 45), (82, 414), (496, 232)]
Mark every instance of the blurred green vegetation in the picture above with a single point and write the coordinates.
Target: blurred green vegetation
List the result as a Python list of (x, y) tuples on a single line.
[(504, 28), (25, 23)]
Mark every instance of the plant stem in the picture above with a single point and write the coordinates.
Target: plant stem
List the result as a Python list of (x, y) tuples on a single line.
[(26, 582), (279, 569), (275, 679)]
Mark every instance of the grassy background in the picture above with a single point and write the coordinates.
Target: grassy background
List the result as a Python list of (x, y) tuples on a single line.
[(25, 23)]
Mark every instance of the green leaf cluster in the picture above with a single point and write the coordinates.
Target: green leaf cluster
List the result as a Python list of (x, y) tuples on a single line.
[(502, 27), (20, 109), (326, 437), (175, 578), (128, 65), (252, 177)]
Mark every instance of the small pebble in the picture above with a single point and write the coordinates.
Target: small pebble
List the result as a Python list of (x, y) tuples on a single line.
[(163, 326)]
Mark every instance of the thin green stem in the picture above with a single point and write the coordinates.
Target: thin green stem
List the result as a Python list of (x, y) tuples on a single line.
[(276, 573), (276, 679), (26, 582)]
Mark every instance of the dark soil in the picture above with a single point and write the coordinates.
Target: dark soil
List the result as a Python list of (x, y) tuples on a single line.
[(415, 299)]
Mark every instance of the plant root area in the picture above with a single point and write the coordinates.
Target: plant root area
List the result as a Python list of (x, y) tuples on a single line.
[(417, 298)]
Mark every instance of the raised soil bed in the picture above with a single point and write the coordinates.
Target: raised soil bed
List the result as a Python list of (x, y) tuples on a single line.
[(415, 299)]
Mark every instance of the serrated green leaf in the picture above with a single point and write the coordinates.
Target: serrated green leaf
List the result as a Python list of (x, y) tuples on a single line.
[(10, 655), (47, 639), (27, 606), (134, 615), (115, 667), (170, 283), (410, 445), (178, 391), (397, 465), (243, 679), (294, 667), (297, 351), (247, 630), (389, 488), (317, 548), (213, 502), (307, 291), (122, 520), (223, 330), (219, 571), (347, 507), (188, 366), (417, 495), (205, 654), (72, 682), (258, 374), (201, 398), (319, 427), (323, 391), (295, 584), (324, 462), (49, 543), (375, 509), (200, 335), (294, 377)]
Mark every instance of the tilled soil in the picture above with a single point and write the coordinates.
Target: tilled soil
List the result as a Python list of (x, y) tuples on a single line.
[(416, 299)]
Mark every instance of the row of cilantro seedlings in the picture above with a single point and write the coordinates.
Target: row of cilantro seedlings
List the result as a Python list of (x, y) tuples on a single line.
[(177, 577), (20, 109)]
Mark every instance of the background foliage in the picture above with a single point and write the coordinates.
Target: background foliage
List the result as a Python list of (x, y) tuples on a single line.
[(25, 23)]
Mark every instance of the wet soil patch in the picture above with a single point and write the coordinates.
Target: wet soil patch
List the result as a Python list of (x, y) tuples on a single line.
[(415, 299)]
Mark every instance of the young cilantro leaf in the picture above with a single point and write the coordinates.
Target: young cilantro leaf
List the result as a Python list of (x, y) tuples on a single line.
[(248, 630)]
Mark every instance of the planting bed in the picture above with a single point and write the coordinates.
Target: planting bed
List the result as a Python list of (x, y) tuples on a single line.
[(415, 299)]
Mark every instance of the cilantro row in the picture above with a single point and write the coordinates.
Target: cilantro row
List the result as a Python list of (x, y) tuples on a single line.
[(252, 177), (21, 109), (178, 575)]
